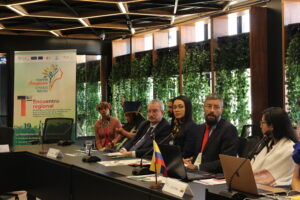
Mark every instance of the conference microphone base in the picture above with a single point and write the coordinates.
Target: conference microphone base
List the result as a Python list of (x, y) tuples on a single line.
[(141, 171), (156, 185), (232, 195)]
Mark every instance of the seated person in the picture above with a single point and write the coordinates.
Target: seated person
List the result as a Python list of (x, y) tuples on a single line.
[(156, 126), (185, 131), (134, 119), (105, 128), (273, 165), (216, 136)]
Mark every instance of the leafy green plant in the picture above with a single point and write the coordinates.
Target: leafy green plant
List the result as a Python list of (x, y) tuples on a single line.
[(140, 83), (293, 77), (232, 77), (165, 74), (196, 76), (88, 89)]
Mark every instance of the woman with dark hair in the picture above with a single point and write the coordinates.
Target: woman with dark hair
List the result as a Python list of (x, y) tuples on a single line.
[(105, 128), (184, 129), (274, 165)]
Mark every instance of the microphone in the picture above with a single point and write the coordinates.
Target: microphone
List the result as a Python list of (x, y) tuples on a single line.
[(140, 170), (257, 148), (90, 158)]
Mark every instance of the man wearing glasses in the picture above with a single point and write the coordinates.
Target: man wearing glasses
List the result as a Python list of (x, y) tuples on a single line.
[(217, 136)]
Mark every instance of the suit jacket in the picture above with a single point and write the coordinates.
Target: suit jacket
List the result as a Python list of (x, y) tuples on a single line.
[(223, 140), (161, 131), (187, 140)]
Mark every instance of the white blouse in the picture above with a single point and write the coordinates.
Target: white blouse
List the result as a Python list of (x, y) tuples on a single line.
[(278, 161)]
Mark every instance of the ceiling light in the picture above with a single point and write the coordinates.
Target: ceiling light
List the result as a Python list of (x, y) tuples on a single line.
[(172, 20), (122, 7), (16, 10), (83, 22), (132, 31), (1, 27), (54, 33)]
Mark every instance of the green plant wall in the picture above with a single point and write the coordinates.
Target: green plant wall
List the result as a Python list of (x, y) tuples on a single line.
[(88, 90), (232, 77), (165, 74), (293, 77), (196, 76), (140, 82), (120, 84)]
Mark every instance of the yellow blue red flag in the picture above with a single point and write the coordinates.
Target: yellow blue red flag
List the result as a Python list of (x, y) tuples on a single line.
[(157, 162)]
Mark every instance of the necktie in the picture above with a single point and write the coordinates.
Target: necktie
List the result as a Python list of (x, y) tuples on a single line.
[(142, 140), (205, 137)]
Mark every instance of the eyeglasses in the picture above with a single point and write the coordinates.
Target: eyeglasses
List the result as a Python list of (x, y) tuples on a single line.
[(215, 107)]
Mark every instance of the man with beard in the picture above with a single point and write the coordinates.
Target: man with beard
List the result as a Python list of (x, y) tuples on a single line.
[(217, 136)]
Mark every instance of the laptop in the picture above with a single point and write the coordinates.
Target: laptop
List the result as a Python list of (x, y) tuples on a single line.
[(243, 180), (175, 167)]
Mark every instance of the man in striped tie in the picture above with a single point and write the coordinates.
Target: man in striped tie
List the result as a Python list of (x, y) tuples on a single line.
[(156, 125)]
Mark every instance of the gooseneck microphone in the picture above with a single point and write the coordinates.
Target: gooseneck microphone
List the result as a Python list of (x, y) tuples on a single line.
[(256, 149), (140, 170)]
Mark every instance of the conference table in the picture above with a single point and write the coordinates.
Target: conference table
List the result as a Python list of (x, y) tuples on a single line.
[(70, 178)]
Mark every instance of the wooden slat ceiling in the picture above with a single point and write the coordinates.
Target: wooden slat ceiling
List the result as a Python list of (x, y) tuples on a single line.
[(94, 19)]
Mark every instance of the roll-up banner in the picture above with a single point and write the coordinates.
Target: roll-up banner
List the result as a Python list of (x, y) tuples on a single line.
[(44, 87)]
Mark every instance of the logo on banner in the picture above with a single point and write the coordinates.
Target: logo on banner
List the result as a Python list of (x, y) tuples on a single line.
[(50, 76), (53, 73)]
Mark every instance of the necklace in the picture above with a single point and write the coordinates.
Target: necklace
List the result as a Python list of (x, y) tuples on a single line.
[(104, 123)]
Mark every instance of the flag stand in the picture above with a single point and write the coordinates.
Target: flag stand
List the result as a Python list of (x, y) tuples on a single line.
[(156, 185)]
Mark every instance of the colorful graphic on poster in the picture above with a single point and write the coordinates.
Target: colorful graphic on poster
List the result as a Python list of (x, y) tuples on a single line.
[(44, 87)]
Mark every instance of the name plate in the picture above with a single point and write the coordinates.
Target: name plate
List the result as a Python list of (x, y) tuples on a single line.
[(54, 153), (4, 148), (177, 187)]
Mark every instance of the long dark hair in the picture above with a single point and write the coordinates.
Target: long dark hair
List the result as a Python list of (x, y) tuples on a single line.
[(188, 108), (282, 126)]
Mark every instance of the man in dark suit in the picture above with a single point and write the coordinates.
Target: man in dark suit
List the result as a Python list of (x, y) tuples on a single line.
[(217, 136), (156, 126)]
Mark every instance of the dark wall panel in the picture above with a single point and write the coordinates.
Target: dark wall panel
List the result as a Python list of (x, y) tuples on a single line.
[(83, 46)]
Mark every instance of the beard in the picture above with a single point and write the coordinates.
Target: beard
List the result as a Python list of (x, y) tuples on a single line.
[(211, 121), (170, 114)]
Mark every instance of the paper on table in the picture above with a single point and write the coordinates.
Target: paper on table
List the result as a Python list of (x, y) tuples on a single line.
[(114, 154), (211, 181), (121, 162), (4, 148), (148, 178)]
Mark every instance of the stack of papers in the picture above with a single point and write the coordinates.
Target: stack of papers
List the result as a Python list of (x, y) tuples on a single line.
[(148, 178), (112, 163), (211, 181)]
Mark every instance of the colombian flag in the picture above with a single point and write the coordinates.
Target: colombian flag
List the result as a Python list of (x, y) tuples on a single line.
[(158, 160)]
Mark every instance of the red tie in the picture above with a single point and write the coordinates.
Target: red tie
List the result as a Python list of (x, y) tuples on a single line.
[(205, 137)]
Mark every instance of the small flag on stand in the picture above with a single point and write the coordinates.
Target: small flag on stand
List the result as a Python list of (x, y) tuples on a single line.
[(157, 162)]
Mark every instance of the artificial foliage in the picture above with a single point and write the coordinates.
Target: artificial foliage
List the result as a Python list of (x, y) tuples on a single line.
[(232, 77), (140, 82), (165, 74), (196, 76), (88, 90), (293, 77)]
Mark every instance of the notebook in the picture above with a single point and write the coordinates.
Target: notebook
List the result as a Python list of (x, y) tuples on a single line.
[(243, 180), (175, 166)]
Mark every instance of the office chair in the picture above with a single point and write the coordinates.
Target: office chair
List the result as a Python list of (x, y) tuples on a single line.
[(57, 129), (6, 136)]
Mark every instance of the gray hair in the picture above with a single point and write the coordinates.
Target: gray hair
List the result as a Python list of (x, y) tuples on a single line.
[(161, 104), (215, 96)]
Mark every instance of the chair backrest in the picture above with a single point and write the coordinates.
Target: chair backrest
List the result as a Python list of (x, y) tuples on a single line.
[(246, 145), (56, 129), (6, 135)]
